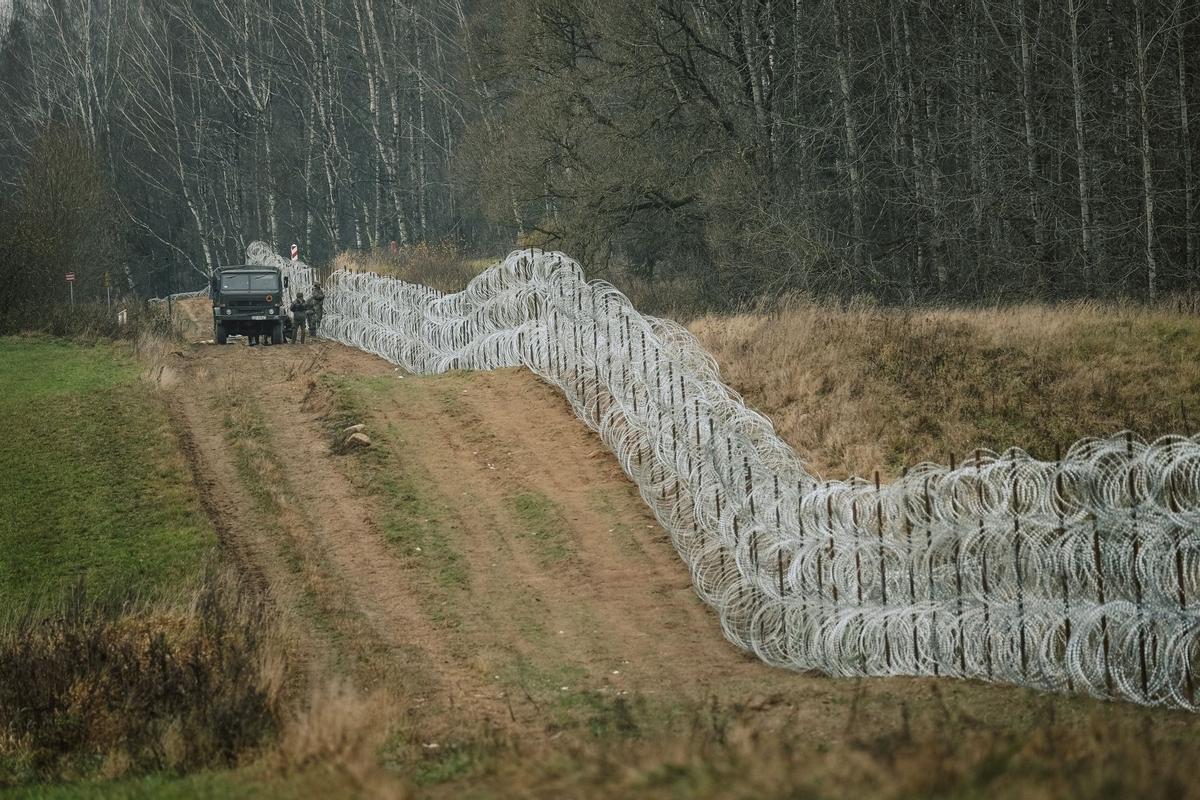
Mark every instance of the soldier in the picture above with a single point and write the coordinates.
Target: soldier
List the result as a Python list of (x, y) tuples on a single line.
[(318, 310), (300, 311)]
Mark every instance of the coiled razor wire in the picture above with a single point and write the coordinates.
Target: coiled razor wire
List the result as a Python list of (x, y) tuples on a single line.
[(300, 277), (180, 296), (1077, 575)]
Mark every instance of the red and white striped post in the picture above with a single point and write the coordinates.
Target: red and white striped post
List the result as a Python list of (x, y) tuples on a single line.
[(295, 252)]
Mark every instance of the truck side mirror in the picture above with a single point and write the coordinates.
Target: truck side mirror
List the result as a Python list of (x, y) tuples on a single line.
[(285, 281), (214, 283)]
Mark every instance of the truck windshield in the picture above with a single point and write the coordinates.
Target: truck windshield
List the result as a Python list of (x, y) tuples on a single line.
[(250, 282)]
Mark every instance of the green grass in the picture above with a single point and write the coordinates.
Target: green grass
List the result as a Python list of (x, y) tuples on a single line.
[(541, 521), (93, 484), (453, 763), (412, 517), (602, 501)]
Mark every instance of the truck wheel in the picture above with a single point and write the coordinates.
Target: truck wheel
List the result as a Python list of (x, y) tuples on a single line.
[(219, 335), (277, 333)]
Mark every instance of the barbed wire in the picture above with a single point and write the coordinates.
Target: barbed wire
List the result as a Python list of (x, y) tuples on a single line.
[(180, 296), (1075, 575)]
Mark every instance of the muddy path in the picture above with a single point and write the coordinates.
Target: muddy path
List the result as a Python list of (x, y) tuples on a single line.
[(484, 562), (599, 603)]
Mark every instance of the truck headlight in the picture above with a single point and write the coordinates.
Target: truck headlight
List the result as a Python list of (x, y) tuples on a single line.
[(229, 311), (272, 312)]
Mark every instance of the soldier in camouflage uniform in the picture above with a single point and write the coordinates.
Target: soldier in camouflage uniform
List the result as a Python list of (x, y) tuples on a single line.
[(300, 309), (318, 310)]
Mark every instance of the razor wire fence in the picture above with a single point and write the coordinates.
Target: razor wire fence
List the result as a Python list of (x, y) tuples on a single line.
[(180, 296), (1075, 575)]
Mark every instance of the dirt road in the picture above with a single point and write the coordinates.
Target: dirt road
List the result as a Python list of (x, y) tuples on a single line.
[(599, 603), (486, 566)]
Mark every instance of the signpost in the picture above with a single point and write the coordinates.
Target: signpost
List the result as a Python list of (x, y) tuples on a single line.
[(107, 290), (71, 284), (295, 252)]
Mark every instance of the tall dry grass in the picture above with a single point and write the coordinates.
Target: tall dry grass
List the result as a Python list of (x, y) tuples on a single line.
[(928, 748), (87, 692), (441, 265), (855, 388), (340, 730), (89, 321)]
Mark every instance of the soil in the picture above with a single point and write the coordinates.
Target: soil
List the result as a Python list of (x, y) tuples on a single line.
[(511, 579), (617, 613), (194, 317)]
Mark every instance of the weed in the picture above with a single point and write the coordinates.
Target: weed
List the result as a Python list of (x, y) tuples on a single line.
[(84, 691), (857, 388), (89, 322), (411, 518), (441, 265), (542, 522)]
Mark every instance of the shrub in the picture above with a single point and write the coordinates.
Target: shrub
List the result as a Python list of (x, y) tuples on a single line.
[(441, 265), (89, 321), (144, 691)]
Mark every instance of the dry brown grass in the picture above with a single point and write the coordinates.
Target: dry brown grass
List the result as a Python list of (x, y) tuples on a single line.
[(931, 745), (85, 692), (341, 729), (441, 265), (679, 297), (856, 388)]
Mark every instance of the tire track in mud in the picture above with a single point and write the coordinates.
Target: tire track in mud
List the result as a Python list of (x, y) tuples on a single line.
[(525, 643), (306, 540), (232, 545)]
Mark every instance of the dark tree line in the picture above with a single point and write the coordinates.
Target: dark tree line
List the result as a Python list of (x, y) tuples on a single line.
[(905, 148)]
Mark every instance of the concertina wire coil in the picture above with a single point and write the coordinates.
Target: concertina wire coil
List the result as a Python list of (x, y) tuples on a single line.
[(1078, 575)]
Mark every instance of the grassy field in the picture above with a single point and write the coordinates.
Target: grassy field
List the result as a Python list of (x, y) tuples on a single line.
[(487, 608), (94, 486), (857, 388), (124, 649)]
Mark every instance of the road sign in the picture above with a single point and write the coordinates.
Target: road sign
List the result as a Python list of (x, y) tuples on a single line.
[(70, 277), (295, 252), (105, 283)]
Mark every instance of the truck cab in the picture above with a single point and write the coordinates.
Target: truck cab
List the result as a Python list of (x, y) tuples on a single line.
[(248, 301)]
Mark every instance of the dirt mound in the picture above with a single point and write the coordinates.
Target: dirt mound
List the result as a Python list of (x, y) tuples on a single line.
[(193, 315)]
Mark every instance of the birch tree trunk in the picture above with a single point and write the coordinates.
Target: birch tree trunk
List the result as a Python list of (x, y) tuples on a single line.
[(1191, 267), (1147, 153), (1031, 162), (853, 165), (1081, 154)]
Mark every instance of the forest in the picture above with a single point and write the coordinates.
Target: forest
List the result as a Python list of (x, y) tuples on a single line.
[(908, 150)]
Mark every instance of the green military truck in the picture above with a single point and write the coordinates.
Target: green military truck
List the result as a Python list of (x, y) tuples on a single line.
[(248, 301)]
